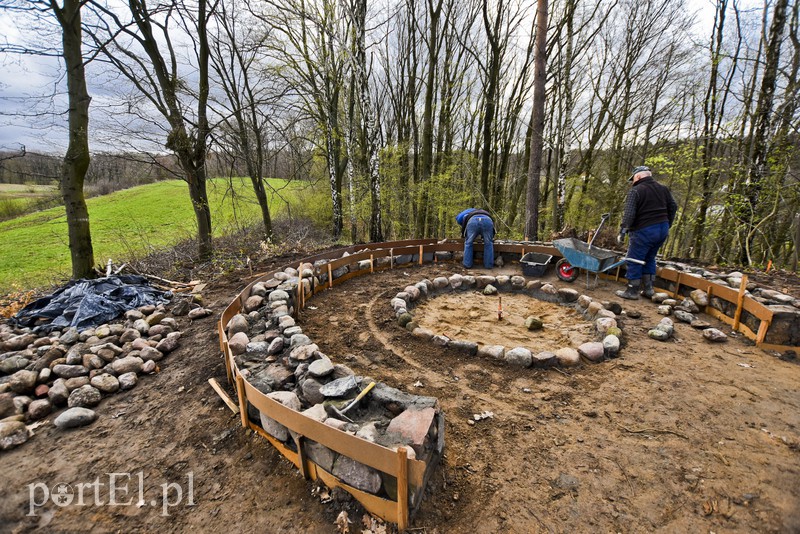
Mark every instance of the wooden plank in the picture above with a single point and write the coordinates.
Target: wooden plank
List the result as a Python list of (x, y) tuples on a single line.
[(739, 302), (240, 391), (762, 312), (377, 506), (224, 396), (302, 460), (778, 348), (330, 276), (372, 263), (360, 450), (762, 332), (402, 489)]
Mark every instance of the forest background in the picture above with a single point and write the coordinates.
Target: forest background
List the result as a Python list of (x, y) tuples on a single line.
[(397, 115)]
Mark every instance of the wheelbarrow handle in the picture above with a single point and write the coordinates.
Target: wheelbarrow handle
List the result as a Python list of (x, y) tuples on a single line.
[(603, 219)]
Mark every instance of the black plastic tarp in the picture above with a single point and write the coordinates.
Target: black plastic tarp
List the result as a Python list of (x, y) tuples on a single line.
[(88, 303)]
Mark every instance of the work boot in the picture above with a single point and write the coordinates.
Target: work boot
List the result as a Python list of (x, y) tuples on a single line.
[(631, 291), (647, 290)]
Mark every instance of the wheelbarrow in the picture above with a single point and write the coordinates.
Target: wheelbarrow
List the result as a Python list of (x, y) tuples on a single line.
[(581, 255)]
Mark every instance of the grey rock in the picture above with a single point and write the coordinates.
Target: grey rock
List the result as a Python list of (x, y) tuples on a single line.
[(603, 324), (285, 322), (129, 335), (440, 341), (19, 342), (683, 316), (534, 323), (689, 306), (548, 289), (611, 346), (490, 290), (128, 364), (320, 454), (69, 337), (238, 343), (75, 417), (519, 356), (127, 381), (275, 346), (568, 357), (75, 383), (613, 307), (658, 298), (664, 310), (496, 352), (566, 294), (155, 317), (12, 434), (502, 280), (142, 326), (58, 392), (357, 475), (181, 308), (341, 387), (320, 368), (21, 403), (256, 350), (715, 335), (70, 371), (84, 397), (292, 330), (592, 351), (544, 359), (700, 324), (272, 427), (149, 353), (464, 345), (23, 381), (169, 343), (105, 383), (303, 352), (518, 282), (455, 281), (238, 323), (13, 364), (298, 340), (39, 409), (311, 391), (633, 314), (253, 303), (149, 367), (658, 334), (277, 295)]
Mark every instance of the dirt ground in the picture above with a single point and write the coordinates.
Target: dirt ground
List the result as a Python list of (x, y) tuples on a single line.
[(682, 436)]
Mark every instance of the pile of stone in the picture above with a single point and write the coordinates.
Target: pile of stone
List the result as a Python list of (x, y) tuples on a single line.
[(277, 358), (40, 375), (605, 315), (684, 311)]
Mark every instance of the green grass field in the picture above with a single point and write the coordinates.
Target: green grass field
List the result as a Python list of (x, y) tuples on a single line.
[(124, 224)]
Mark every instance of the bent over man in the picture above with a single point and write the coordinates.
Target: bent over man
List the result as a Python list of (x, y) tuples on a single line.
[(474, 223)]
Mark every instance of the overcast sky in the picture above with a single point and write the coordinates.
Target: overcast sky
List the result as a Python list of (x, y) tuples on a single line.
[(33, 103)]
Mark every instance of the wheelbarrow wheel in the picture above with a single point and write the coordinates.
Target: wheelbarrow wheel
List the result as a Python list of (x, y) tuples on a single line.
[(565, 271)]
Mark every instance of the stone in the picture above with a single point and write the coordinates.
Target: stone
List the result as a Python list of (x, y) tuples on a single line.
[(533, 285), (592, 351), (544, 359), (311, 392), (253, 303), (484, 280), (238, 323), (275, 346), (134, 315), (689, 306), (664, 310), (613, 307), (303, 352), (533, 323), (272, 427), (105, 383), (298, 340), (611, 346), (321, 367), (77, 382), (75, 417), (316, 412), (715, 335), (149, 353), (320, 454), (149, 367), (593, 309), (700, 324), (341, 387), (21, 403), (155, 317), (566, 294), (518, 282), (490, 290), (142, 326), (127, 381), (276, 375), (12, 434), (256, 350), (549, 289), (440, 341), (238, 343), (414, 293), (413, 426), (181, 308), (16, 343), (519, 356), (658, 298), (84, 397), (404, 319), (128, 364), (70, 371), (503, 280), (602, 325), (683, 316), (658, 334), (23, 381), (287, 321), (278, 295), (169, 343), (139, 344), (58, 392), (633, 314), (423, 333), (455, 281), (357, 475), (440, 282), (69, 337), (159, 330), (568, 357), (39, 409), (13, 364), (41, 390), (496, 352), (605, 313)]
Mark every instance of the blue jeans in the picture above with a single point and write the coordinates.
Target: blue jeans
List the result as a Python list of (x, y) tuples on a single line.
[(480, 225), (643, 244)]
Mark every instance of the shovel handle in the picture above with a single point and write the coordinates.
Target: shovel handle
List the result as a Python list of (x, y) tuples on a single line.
[(359, 397)]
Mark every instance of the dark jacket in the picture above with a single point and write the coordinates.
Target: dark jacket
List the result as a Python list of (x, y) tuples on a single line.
[(470, 215), (648, 202)]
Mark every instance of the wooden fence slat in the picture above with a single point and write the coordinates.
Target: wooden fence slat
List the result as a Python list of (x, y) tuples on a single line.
[(739, 302), (402, 489)]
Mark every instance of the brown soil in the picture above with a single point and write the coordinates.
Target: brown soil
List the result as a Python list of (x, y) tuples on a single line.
[(682, 436)]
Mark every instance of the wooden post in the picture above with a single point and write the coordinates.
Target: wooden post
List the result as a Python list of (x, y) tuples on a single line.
[(678, 285), (391, 258), (420, 255), (708, 294), (228, 370), (302, 287), (739, 302), (402, 489), (762, 332), (301, 456), (330, 276), (372, 263), (242, 400)]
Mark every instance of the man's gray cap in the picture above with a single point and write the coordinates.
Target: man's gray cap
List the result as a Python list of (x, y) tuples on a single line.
[(637, 170)]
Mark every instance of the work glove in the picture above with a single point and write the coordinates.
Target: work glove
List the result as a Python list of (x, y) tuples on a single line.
[(621, 237)]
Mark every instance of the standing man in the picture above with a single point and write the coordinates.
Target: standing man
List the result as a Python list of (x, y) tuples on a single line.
[(476, 223), (649, 212)]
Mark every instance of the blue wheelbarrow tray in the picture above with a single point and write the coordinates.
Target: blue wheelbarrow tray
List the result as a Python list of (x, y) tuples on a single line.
[(590, 258)]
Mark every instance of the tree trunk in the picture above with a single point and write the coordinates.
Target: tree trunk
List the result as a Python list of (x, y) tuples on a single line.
[(537, 135), (76, 160)]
